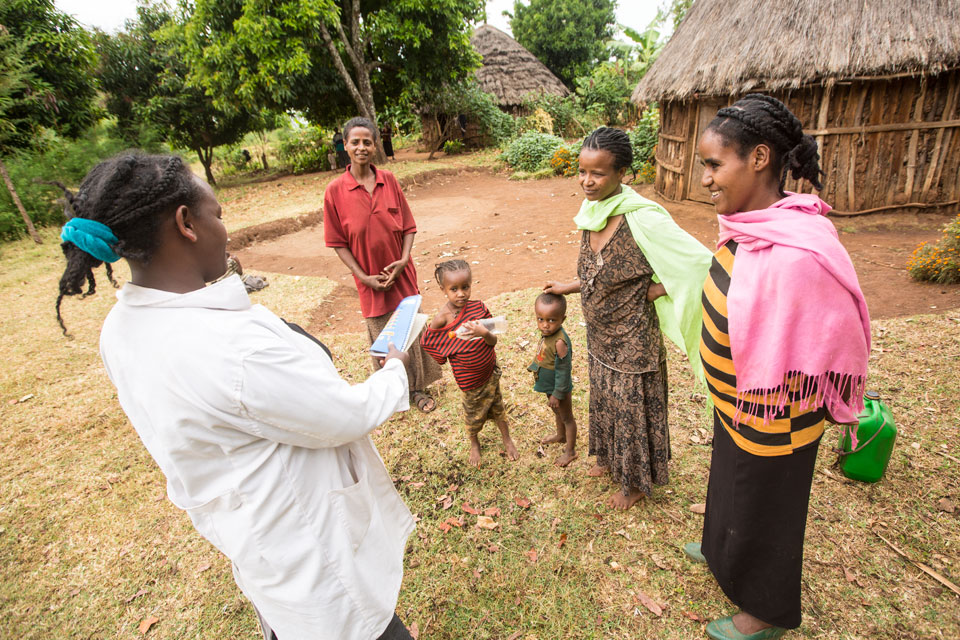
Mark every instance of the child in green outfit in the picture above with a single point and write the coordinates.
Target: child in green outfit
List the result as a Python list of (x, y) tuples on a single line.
[(551, 372)]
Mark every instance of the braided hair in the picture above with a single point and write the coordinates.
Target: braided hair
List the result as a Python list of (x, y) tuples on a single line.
[(131, 194), (450, 266), (761, 119), (614, 141)]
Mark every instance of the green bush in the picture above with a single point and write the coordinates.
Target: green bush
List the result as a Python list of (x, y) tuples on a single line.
[(531, 151), (605, 93), (644, 138), (66, 161), (453, 147), (306, 149)]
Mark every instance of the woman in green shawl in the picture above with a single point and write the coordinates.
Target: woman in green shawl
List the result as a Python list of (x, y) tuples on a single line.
[(635, 280)]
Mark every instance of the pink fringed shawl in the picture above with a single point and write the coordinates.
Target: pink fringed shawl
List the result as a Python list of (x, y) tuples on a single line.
[(795, 309)]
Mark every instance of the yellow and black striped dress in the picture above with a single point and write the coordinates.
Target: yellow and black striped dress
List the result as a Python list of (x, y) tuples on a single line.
[(793, 428), (760, 475)]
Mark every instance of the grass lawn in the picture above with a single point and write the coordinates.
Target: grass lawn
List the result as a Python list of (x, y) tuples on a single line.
[(91, 548)]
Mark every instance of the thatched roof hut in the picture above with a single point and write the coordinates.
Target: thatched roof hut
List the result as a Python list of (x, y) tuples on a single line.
[(877, 83), (509, 71)]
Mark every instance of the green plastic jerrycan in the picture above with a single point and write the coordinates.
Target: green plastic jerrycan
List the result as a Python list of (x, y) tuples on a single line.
[(876, 434)]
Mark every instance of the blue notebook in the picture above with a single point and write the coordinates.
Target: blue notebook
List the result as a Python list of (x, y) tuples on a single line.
[(403, 327)]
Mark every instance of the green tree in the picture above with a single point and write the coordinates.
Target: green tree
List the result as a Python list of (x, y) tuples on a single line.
[(20, 92), (46, 80), (569, 36), (327, 58), (145, 78)]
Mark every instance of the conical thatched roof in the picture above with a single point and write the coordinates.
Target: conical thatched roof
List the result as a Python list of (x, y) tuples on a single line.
[(509, 71), (725, 47)]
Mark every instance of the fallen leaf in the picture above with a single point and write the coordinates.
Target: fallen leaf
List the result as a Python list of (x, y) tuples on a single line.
[(491, 511), (466, 507), (622, 532), (695, 439), (699, 507), (417, 485), (453, 488), (693, 616), (446, 503), (25, 398), (848, 575), (444, 527), (454, 522), (486, 522), (414, 630), (946, 505), (523, 503), (657, 560), (563, 540), (476, 574), (649, 603), (515, 635), (142, 592), (147, 623), (203, 568), (493, 548), (531, 555)]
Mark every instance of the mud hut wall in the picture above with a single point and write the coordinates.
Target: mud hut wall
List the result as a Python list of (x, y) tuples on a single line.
[(885, 143), (674, 149)]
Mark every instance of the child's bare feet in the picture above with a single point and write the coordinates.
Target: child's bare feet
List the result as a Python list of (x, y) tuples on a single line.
[(566, 458), (510, 448), (624, 502), (598, 470), (555, 438), (474, 450)]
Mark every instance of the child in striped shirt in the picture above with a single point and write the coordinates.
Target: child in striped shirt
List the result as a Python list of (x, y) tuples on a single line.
[(472, 356)]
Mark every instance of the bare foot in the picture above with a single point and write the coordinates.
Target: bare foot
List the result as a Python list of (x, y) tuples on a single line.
[(475, 454), (598, 470), (510, 448), (555, 438), (624, 502), (748, 624), (566, 458)]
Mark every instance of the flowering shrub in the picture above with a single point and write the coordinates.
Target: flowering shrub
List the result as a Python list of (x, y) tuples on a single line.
[(453, 147), (939, 262), (564, 162), (647, 173)]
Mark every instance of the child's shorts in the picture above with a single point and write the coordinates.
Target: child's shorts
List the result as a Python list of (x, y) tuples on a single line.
[(483, 403)]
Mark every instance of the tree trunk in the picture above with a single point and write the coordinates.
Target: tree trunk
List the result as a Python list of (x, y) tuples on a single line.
[(262, 136), (360, 88), (206, 159), (16, 200)]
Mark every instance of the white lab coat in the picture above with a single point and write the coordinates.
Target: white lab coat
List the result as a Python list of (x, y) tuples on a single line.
[(266, 448)]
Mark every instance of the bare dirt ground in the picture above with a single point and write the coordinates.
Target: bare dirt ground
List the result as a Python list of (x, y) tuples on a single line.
[(518, 235)]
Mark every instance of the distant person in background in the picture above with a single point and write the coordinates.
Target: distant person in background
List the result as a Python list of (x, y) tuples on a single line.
[(386, 134), (342, 159), (367, 220)]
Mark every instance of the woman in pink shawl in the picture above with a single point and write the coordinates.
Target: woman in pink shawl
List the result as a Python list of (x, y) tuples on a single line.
[(784, 346)]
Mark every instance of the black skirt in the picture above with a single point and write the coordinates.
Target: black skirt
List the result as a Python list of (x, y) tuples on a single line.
[(754, 525)]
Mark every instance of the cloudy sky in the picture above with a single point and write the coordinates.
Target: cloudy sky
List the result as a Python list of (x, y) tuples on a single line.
[(109, 15)]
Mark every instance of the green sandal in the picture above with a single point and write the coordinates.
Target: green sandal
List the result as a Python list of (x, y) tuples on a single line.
[(692, 551), (724, 629)]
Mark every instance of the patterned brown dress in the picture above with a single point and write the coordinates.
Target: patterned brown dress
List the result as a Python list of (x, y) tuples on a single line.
[(628, 373)]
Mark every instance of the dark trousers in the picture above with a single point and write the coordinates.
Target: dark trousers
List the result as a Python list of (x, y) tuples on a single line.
[(394, 631)]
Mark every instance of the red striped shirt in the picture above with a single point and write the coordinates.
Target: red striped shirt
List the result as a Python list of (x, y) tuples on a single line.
[(472, 361)]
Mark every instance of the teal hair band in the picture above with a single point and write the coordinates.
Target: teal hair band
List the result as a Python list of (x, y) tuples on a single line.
[(91, 237)]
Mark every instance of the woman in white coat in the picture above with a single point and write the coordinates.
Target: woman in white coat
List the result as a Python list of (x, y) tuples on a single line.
[(262, 443)]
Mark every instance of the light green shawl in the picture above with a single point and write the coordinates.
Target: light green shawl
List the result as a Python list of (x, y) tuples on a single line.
[(678, 261)]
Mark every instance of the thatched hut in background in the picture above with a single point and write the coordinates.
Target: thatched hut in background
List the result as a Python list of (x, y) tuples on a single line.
[(877, 83), (509, 72)]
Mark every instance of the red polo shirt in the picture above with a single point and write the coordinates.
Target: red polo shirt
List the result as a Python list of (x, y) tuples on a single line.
[(371, 226)]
